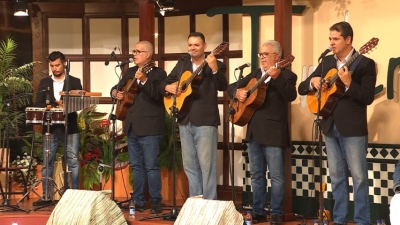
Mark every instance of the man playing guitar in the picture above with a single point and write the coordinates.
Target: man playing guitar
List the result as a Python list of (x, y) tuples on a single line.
[(144, 124)]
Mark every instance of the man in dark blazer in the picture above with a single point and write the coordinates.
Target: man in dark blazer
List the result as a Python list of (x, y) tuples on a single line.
[(268, 130), (345, 128), (144, 124), (49, 96), (198, 128)]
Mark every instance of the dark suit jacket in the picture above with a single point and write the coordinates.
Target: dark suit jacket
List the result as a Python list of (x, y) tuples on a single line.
[(74, 84), (146, 115), (269, 123), (204, 109), (350, 112)]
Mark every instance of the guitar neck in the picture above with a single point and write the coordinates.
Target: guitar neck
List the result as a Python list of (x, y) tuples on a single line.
[(255, 86), (130, 85), (194, 74), (347, 64)]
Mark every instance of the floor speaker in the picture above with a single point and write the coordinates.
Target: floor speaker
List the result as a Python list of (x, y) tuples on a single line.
[(198, 211), (86, 207)]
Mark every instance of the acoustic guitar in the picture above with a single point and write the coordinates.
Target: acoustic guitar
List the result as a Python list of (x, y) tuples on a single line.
[(189, 83), (256, 92), (130, 90), (336, 89)]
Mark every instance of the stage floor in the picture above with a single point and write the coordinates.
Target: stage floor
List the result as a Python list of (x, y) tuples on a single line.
[(40, 216)]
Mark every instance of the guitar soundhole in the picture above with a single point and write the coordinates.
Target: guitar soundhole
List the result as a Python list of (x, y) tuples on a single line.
[(184, 86)]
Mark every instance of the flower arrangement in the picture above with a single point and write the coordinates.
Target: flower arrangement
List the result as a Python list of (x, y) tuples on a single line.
[(23, 163), (95, 147)]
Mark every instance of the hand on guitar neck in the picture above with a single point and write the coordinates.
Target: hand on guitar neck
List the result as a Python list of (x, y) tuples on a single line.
[(274, 72), (140, 76), (212, 63)]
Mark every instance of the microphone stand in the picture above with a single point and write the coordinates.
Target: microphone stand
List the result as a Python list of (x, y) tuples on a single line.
[(66, 107), (112, 117), (173, 214), (318, 130), (6, 147), (231, 113)]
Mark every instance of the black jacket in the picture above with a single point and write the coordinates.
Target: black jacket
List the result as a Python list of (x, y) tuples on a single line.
[(74, 84), (146, 115), (204, 110), (269, 123), (350, 113)]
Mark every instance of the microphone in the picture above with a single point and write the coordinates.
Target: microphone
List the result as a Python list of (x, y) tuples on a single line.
[(130, 60), (111, 55), (243, 66), (327, 50), (48, 96)]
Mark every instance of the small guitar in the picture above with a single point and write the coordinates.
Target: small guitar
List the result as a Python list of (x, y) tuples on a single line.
[(130, 90), (189, 82), (335, 90), (256, 92)]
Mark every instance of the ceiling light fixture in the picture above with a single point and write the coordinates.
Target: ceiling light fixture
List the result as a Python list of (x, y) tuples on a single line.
[(165, 8), (20, 8)]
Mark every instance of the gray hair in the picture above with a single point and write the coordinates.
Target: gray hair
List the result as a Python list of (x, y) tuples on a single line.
[(276, 45)]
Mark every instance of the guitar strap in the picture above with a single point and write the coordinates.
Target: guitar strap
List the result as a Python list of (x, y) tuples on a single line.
[(355, 63)]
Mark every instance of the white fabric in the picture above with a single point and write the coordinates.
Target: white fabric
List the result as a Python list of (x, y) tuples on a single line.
[(57, 87), (395, 210)]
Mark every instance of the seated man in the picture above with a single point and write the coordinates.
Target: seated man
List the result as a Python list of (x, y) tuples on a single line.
[(395, 203)]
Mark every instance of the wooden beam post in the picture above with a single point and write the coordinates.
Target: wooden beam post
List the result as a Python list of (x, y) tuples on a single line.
[(283, 34), (146, 21)]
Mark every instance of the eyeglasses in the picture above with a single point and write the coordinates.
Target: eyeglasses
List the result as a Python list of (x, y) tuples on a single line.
[(137, 52), (265, 54)]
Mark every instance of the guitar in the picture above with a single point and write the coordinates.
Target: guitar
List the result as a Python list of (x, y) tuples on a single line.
[(256, 92), (130, 90), (189, 83), (336, 89)]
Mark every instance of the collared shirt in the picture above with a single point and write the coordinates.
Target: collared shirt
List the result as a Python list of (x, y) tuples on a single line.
[(194, 66), (263, 72), (57, 87), (340, 64)]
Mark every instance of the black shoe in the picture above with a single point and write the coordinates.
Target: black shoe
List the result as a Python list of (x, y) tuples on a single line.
[(140, 208), (41, 202), (337, 224), (276, 219), (258, 218), (156, 208)]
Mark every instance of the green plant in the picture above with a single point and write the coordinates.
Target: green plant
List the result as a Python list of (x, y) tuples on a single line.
[(165, 158), (95, 147), (15, 87)]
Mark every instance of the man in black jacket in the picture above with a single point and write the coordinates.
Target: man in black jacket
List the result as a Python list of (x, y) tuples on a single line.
[(198, 126), (345, 128), (144, 124), (268, 130), (53, 85)]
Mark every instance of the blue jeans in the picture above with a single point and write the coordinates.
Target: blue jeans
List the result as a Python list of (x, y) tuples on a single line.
[(261, 156), (199, 156), (72, 157), (348, 153), (143, 156)]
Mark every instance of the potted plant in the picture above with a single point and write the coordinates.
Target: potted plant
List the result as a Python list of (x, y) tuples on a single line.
[(166, 161), (95, 147), (15, 87)]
